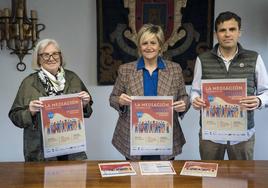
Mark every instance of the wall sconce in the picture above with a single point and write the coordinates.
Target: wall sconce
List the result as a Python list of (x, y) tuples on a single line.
[(18, 32)]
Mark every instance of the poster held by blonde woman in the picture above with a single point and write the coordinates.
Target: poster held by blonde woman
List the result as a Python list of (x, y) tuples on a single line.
[(150, 75), (50, 79)]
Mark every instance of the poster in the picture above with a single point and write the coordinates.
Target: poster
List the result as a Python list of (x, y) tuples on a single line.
[(223, 118), (116, 169), (192, 168), (151, 125), (156, 168), (63, 126)]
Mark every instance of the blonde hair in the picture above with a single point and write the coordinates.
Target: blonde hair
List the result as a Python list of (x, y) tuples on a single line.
[(39, 48), (148, 31)]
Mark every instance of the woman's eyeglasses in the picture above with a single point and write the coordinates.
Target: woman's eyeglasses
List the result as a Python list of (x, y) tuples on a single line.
[(46, 56)]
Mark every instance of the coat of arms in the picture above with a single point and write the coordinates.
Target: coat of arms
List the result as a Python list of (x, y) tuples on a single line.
[(187, 26)]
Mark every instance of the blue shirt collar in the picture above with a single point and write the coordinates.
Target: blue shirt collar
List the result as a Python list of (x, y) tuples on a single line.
[(160, 63)]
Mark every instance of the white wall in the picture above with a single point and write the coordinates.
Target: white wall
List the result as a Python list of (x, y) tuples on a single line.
[(73, 25)]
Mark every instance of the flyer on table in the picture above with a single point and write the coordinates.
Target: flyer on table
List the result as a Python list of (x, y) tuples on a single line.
[(192, 168), (116, 169), (156, 168)]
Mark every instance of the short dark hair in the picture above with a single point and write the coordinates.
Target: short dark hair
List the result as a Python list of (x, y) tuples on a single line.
[(225, 16)]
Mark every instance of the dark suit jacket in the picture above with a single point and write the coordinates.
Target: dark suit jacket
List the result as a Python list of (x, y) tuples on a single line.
[(130, 82)]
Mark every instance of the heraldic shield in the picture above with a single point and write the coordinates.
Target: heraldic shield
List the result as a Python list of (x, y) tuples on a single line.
[(188, 27)]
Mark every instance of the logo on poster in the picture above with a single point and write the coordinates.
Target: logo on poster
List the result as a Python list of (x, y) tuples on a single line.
[(210, 98), (139, 114), (50, 115)]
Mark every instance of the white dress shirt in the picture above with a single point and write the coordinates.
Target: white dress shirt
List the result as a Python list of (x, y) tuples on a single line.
[(261, 77)]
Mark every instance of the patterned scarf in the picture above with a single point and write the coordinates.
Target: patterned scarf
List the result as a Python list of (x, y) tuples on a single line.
[(54, 85)]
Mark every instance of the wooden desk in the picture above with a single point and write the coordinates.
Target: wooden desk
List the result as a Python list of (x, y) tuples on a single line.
[(86, 174)]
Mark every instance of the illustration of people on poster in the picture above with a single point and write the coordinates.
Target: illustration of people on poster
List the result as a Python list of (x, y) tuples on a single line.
[(151, 131), (62, 125), (223, 118)]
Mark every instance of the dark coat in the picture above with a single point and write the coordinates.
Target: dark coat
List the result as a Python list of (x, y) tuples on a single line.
[(30, 89)]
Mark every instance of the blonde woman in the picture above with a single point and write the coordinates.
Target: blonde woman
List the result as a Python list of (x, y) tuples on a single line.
[(150, 75)]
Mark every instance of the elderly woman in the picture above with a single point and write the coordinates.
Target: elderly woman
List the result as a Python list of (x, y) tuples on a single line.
[(49, 79), (150, 75)]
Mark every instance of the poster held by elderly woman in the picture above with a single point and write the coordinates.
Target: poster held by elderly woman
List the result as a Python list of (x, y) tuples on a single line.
[(62, 125), (223, 118), (151, 127)]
